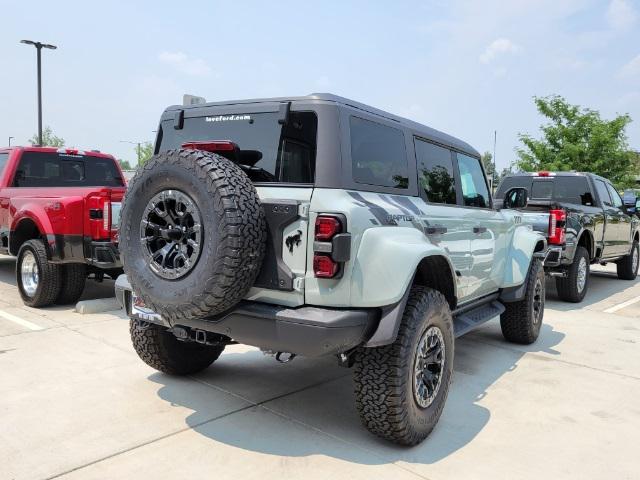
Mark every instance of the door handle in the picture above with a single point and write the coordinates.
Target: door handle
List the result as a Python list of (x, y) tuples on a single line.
[(479, 229), (435, 229)]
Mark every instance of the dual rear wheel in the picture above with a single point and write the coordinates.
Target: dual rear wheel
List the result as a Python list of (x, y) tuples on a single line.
[(42, 283)]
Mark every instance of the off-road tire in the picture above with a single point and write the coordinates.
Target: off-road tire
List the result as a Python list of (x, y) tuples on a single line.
[(626, 267), (160, 349), (234, 234), (49, 275), (520, 322), (567, 287), (73, 279), (384, 376)]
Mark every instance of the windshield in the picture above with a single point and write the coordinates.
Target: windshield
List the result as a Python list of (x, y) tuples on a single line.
[(51, 169), (268, 151)]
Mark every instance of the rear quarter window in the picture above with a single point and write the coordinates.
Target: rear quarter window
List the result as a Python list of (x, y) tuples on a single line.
[(378, 154)]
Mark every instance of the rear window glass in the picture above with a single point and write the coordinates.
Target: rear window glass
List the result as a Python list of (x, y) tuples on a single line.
[(564, 189), (50, 169), (378, 154), (267, 150), (542, 190)]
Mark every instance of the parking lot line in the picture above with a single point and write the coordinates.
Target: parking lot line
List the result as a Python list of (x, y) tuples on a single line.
[(622, 305), (20, 321)]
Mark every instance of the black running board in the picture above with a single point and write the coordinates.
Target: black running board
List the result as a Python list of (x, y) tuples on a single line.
[(471, 319)]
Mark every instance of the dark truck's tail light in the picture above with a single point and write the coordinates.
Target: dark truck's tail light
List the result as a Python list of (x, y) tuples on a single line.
[(99, 207), (557, 222), (332, 246)]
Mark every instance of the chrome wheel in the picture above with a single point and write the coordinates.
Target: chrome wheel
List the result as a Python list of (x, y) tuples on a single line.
[(428, 366), (538, 301), (29, 273), (635, 259), (582, 274), (171, 234)]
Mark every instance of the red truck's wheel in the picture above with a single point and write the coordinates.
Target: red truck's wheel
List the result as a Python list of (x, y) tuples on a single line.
[(74, 276), (193, 234), (38, 280)]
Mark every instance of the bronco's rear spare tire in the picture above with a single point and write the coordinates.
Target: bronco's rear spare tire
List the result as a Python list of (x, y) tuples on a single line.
[(193, 234)]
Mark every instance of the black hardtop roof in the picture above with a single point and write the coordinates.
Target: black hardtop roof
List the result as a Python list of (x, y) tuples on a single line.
[(418, 128)]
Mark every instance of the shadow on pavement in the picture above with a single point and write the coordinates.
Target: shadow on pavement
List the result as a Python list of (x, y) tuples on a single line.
[(329, 406)]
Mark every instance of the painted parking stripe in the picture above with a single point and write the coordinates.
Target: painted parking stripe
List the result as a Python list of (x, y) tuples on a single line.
[(622, 305), (20, 321)]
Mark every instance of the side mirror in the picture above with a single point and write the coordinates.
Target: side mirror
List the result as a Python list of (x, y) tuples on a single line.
[(515, 198)]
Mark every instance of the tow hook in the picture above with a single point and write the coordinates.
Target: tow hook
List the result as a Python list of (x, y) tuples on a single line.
[(285, 357)]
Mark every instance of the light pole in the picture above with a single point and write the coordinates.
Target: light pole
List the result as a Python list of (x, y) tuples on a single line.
[(39, 46), (137, 147), (10, 140)]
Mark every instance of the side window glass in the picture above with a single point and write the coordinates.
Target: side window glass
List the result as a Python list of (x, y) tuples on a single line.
[(603, 193), (435, 172), (615, 196), (475, 192), (378, 154)]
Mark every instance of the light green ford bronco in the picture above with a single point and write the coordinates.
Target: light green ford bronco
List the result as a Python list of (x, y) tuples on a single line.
[(320, 226)]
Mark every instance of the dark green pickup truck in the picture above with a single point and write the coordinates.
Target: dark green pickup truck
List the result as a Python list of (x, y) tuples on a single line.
[(585, 221)]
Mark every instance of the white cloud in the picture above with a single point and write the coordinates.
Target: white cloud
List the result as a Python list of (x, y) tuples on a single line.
[(621, 15), (185, 64), (631, 69), (497, 48)]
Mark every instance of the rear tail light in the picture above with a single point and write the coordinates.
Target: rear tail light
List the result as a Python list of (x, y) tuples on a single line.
[(326, 229), (324, 266), (99, 212), (106, 215), (557, 222)]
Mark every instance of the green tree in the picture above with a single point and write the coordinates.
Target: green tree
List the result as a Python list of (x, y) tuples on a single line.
[(48, 139), (489, 169), (578, 139), (124, 164), (487, 162), (144, 151)]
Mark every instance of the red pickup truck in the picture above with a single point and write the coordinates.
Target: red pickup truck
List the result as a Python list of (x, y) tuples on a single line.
[(59, 214)]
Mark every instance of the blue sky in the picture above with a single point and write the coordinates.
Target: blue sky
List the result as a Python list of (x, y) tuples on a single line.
[(465, 67)]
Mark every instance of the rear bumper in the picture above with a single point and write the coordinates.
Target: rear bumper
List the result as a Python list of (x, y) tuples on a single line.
[(79, 249), (554, 257), (103, 254), (308, 331)]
